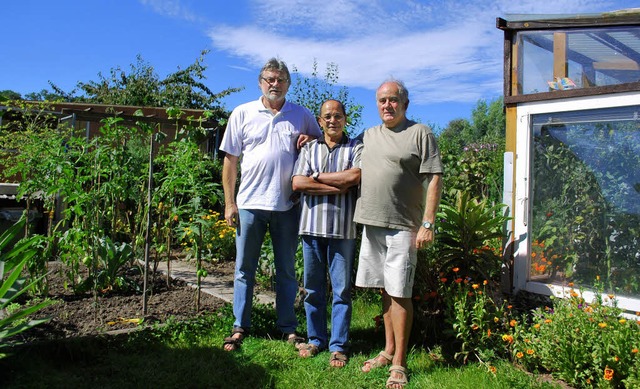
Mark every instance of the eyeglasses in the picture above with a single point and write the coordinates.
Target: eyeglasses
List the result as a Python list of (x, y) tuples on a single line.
[(336, 116), (272, 80)]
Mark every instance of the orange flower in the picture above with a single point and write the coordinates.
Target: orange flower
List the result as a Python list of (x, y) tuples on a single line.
[(530, 352), (611, 296), (456, 269), (493, 369), (513, 323), (443, 279), (536, 326), (475, 286), (485, 282), (458, 280), (489, 335), (474, 327), (570, 284), (507, 338), (547, 321), (634, 351), (519, 354), (608, 374)]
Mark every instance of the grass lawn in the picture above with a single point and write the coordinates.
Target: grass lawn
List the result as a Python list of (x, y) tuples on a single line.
[(189, 355)]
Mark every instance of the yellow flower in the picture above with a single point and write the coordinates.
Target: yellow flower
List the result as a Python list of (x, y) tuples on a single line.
[(519, 354), (530, 352), (622, 321), (602, 325), (475, 286), (507, 338)]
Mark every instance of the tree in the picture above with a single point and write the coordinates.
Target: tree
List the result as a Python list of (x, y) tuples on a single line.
[(312, 91), (8, 95), (141, 86)]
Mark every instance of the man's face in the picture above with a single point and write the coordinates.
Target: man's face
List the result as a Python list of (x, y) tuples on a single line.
[(332, 119), (391, 109), (274, 85)]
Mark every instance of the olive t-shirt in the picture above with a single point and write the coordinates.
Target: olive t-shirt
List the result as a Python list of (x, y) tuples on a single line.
[(395, 163)]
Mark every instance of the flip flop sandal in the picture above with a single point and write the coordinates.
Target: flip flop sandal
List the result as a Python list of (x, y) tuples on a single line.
[(402, 381), (308, 350), (235, 342), (337, 356), (375, 363)]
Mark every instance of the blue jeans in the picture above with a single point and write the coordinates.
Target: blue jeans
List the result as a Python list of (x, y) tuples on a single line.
[(283, 227), (336, 255)]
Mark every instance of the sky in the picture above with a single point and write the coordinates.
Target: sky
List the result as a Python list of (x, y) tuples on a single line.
[(448, 52)]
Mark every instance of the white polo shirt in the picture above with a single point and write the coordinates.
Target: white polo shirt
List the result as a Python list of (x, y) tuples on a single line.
[(266, 144)]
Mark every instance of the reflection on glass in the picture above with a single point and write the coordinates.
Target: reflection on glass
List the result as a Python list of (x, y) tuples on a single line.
[(589, 57), (586, 199)]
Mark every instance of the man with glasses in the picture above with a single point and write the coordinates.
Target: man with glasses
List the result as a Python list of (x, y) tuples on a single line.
[(400, 192), (264, 135), (328, 173)]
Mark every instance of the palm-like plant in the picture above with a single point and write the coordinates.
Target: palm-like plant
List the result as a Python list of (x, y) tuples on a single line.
[(467, 228), (15, 284)]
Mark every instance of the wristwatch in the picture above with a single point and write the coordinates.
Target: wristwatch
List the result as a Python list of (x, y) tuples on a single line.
[(315, 176), (428, 225)]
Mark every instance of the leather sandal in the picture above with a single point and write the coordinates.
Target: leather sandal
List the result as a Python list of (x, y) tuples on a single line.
[(375, 362), (308, 350), (402, 381), (235, 342)]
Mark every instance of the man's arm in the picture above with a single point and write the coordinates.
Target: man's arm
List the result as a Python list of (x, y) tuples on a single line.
[(432, 201), (327, 183), (229, 176), (342, 180)]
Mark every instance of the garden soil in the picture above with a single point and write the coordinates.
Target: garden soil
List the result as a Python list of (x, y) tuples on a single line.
[(75, 315)]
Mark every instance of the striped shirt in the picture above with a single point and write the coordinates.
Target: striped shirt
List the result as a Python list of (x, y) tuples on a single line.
[(329, 216)]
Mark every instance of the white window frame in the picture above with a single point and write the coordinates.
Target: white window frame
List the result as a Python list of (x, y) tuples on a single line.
[(521, 207)]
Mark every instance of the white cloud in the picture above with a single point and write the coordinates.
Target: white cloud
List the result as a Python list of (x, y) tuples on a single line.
[(444, 51), (171, 8)]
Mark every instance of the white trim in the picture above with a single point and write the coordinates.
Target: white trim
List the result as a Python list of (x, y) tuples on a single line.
[(521, 209)]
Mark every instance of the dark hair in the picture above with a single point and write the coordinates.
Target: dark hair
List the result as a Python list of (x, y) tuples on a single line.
[(275, 65)]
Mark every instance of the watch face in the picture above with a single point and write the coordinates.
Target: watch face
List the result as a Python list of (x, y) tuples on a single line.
[(427, 225)]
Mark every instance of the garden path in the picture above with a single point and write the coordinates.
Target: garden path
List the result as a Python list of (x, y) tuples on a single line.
[(213, 284)]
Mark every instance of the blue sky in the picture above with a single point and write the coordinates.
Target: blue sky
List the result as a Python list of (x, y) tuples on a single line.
[(449, 53)]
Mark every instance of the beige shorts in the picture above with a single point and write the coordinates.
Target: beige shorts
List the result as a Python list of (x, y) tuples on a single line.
[(387, 260)]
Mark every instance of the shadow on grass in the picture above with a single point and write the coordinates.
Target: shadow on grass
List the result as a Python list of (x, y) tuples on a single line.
[(122, 362)]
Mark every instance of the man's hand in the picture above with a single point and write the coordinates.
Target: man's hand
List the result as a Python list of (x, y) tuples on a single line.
[(231, 214), (304, 139), (424, 238)]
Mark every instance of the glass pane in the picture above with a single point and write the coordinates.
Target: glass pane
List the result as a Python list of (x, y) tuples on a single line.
[(594, 57), (586, 199)]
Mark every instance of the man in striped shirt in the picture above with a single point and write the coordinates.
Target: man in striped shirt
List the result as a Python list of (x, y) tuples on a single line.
[(327, 173)]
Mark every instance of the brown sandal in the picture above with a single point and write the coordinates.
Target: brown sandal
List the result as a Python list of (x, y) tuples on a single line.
[(338, 360), (235, 343), (375, 362), (308, 350), (295, 339)]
